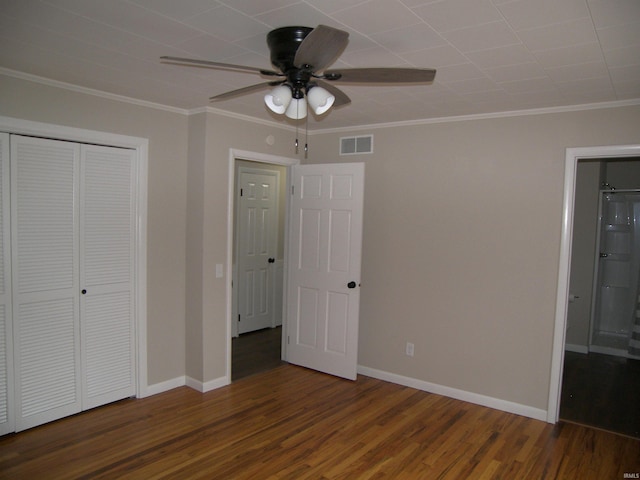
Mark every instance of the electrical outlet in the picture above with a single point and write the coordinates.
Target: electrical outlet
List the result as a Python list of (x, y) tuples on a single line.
[(409, 349)]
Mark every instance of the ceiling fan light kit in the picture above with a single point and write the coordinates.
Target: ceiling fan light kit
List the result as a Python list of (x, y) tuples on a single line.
[(278, 99), (301, 56), (281, 100), (297, 109), (320, 100)]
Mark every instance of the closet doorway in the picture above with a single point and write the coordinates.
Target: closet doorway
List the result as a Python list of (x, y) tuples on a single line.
[(74, 263)]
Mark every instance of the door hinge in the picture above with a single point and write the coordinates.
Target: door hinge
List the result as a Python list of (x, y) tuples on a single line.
[(292, 189), (241, 192), (238, 317), (288, 340)]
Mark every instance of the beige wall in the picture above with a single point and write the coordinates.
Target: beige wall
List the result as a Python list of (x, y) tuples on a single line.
[(461, 234), (167, 134), (462, 229), (623, 174)]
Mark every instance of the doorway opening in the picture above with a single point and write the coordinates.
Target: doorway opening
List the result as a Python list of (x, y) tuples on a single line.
[(260, 194), (601, 381), (562, 334), (258, 222)]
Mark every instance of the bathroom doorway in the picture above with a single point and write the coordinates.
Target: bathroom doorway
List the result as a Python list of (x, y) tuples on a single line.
[(601, 375)]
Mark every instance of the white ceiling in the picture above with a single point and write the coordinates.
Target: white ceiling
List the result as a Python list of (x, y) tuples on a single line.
[(490, 55)]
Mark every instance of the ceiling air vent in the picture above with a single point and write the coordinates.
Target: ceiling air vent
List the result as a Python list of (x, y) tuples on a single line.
[(356, 145)]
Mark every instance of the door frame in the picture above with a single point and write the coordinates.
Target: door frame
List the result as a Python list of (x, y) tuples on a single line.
[(141, 147), (572, 156), (236, 154)]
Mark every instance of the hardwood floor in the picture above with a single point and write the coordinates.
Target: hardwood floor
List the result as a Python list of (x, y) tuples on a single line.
[(602, 391), (255, 352), (294, 423)]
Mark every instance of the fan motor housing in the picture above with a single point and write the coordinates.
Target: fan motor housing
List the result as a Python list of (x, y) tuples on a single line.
[(283, 44)]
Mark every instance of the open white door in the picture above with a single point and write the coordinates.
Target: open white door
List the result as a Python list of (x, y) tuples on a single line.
[(325, 239)]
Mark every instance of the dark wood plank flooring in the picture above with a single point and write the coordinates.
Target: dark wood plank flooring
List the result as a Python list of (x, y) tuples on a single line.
[(255, 352), (294, 423), (602, 391)]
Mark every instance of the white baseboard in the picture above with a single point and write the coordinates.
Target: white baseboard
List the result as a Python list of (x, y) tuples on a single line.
[(485, 401), (570, 347), (207, 386), (181, 382), (163, 387)]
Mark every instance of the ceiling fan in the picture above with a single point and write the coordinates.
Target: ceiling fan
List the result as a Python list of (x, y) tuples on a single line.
[(301, 56)]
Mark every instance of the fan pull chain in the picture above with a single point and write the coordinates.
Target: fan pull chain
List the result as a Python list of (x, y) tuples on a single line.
[(306, 136), (296, 143)]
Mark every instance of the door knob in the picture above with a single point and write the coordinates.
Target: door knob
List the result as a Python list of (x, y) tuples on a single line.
[(271, 260), (351, 284)]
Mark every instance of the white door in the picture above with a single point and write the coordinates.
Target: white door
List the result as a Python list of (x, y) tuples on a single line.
[(257, 234), (72, 245), (7, 422), (106, 274), (44, 224), (323, 293)]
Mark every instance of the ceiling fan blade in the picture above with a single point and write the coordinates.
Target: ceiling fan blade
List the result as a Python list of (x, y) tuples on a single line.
[(341, 97), (381, 75), (218, 65), (321, 47), (243, 91)]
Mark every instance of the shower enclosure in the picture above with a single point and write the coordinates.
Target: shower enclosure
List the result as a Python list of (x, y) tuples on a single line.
[(616, 299)]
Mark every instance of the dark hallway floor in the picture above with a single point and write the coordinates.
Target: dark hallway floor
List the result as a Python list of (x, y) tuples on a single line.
[(602, 391), (256, 352)]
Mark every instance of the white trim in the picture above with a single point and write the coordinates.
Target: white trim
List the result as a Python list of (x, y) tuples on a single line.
[(485, 401), (246, 118), (89, 91), (570, 347), (141, 146), (572, 156), (484, 116), (426, 121), (206, 386), (235, 154)]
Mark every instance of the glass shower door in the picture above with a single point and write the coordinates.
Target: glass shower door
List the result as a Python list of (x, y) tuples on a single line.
[(618, 265)]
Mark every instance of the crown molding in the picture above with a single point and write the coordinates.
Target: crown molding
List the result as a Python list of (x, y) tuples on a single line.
[(485, 116), (274, 124), (240, 116), (90, 91)]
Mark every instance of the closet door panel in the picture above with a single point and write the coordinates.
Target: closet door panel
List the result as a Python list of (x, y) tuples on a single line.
[(106, 247), (44, 179), (7, 422)]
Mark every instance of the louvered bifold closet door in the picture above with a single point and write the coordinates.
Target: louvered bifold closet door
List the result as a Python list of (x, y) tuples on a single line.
[(107, 229), (44, 241), (7, 420)]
